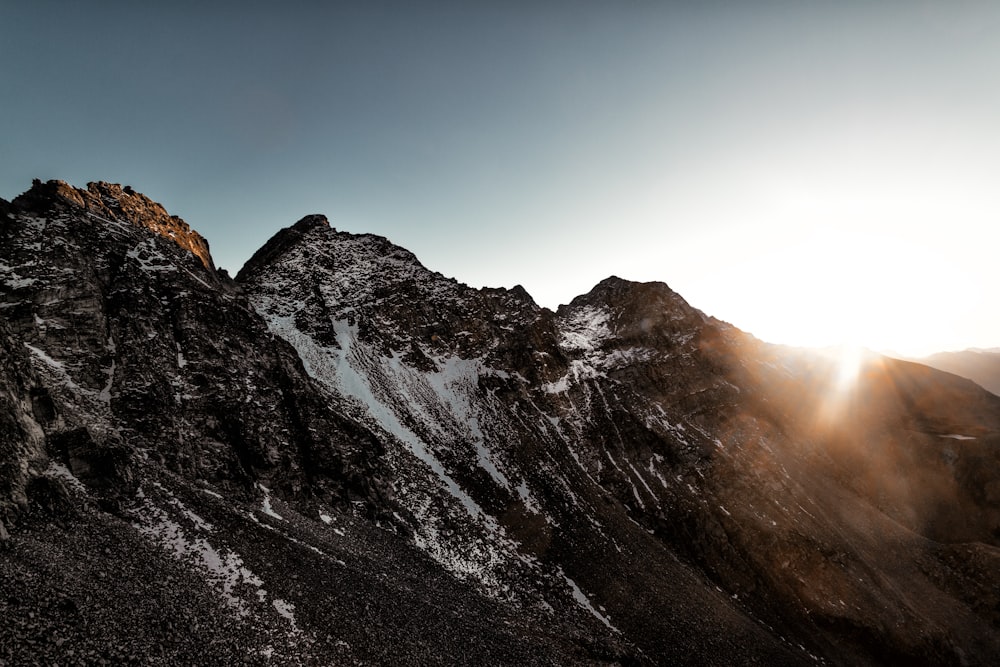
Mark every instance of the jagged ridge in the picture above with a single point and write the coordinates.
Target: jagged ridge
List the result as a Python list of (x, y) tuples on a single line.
[(112, 201), (625, 480)]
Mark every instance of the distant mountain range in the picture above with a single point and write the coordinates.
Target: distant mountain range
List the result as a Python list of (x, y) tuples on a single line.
[(342, 457), (980, 366)]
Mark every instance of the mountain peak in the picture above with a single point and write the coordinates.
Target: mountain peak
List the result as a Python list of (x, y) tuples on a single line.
[(111, 201), (639, 308), (310, 221), (283, 241)]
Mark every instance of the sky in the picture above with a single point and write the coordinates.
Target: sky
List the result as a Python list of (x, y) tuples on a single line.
[(815, 173)]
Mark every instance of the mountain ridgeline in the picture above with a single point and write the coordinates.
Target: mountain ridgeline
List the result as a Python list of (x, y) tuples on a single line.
[(342, 457)]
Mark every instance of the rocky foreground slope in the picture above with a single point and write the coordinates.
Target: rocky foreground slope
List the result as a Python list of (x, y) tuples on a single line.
[(341, 457)]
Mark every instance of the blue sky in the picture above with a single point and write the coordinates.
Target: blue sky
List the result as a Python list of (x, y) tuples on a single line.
[(813, 172)]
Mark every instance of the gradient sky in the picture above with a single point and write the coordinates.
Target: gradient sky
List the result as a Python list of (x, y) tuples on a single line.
[(813, 172)]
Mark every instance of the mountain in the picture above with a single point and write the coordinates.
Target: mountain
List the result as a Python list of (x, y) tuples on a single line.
[(980, 366), (343, 457)]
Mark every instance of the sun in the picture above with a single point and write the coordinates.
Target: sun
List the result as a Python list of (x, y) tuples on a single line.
[(848, 360), (843, 367)]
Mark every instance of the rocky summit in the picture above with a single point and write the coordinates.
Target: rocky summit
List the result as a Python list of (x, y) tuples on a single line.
[(342, 457)]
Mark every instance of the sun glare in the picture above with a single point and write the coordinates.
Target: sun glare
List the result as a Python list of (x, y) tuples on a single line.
[(848, 359), (836, 287), (845, 366)]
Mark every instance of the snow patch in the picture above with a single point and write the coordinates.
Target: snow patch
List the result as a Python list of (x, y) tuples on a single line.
[(105, 395), (149, 258), (265, 506), (579, 370), (584, 329), (455, 384), (286, 610), (58, 367), (526, 498), (582, 600), (354, 384), (225, 571)]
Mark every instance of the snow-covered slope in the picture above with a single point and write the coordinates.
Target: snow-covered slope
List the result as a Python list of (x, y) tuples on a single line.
[(628, 427)]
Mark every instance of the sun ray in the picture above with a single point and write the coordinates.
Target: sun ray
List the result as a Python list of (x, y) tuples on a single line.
[(848, 359)]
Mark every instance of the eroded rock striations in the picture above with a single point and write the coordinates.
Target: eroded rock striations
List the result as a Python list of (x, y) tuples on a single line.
[(342, 457)]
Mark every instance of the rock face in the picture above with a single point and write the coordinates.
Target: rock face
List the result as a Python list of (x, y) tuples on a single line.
[(343, 457), (22, 442), (110, 202), (144, 348)]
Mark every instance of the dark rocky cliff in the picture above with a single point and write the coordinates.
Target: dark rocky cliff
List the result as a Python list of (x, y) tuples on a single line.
[(343, 457)]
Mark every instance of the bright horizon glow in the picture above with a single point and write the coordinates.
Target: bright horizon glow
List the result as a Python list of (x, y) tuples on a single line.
[(814, 173), (837, 288)]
